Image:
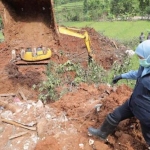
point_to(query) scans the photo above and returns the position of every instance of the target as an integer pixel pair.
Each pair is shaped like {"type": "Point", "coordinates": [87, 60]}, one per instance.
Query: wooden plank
{"type": "Point", "coordinates": [18, 124]}
{"type": "Point", "coordinates": [115, 45]}
{"type": "Point", "coordinates": [6, 95]}
{"type": "Point", "coordinates": [22, 95]}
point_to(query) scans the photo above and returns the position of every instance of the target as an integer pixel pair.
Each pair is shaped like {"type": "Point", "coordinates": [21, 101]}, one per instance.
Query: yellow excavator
{"type": "Point", "coordinates": [43, 53]}
{"type": "Point", "coordinates": [22, 11]}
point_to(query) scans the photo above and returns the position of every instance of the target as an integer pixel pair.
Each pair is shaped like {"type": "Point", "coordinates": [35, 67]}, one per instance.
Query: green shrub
{"type": "Point", "coordinates": [71, 74]}
{"type": "Point", "coordinates": [48, 87]}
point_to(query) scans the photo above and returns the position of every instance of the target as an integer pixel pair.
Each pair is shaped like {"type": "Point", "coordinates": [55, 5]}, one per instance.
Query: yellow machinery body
{"type": "Point", "coordinates": [39, 54]}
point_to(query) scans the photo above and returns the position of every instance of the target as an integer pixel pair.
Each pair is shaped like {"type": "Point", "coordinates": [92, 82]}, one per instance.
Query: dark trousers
{"type": "Point", "coordinates": [124, 112]}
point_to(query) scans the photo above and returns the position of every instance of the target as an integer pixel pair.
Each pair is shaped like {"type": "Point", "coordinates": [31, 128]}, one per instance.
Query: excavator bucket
{"type": "Point", "coordinates": [27, 21]}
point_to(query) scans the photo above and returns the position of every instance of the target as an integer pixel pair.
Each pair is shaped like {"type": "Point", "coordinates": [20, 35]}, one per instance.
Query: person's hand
{"type": "Point", "coordinates": [116, 79]}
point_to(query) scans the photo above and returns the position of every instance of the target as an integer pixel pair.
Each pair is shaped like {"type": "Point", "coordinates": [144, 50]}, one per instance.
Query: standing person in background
{"type": "Point", "coordinates": [141, 37]}
{"type": "Point", "coordinates": [138, 105]}
{"type": "Point", "coordinates": [148, 36]}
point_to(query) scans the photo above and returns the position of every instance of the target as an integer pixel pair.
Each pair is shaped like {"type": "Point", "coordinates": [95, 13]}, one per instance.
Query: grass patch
{"type": "Point", "coordinates": [1, 36]}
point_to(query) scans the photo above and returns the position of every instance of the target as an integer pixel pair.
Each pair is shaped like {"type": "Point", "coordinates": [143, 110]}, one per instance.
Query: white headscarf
{"type": "Point", "coordinates": [143, 50]}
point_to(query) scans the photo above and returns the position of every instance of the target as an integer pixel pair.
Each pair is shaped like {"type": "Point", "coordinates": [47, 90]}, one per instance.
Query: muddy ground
{"type": "Point", "coordinates": [60, 125]}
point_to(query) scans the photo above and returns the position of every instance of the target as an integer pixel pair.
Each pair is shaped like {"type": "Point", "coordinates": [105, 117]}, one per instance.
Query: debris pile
{"type": "Point", "coordinates": [64, 124]}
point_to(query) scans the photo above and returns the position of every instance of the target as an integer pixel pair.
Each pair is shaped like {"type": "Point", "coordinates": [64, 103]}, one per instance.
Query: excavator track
{"type": "Point", "coordinates": [24, 63]}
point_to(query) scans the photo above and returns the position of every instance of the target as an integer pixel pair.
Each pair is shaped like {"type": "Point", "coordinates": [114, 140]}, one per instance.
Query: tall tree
{"type": "Point", "coordinates": [143, 4]}
{"type": "Point", "coordinates": [85, 6]}
{"type": "Point", "coordinates": [120, 7]}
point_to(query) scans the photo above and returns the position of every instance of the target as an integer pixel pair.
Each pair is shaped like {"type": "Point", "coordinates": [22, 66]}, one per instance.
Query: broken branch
{"type": "Point", "coordinates": [18, 124]}
{"type": "Point", "coordinates": [22, 95]}
{"type": "Point", "coordinates": [17, 135]}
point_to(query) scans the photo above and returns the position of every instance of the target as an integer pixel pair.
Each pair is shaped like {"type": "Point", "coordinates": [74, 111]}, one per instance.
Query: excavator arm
{"type": "Point", "coordinates": [74, 32]}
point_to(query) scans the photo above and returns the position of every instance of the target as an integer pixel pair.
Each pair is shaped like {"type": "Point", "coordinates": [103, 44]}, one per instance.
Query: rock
{"type": "Point", "coordinates": [1, 129]}
{"type": "Point", "coordinates": [41, 127]}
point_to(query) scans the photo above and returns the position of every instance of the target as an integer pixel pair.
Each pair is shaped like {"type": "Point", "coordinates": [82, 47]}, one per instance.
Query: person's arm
{"type": "Point", "coordinates": [130, 75]}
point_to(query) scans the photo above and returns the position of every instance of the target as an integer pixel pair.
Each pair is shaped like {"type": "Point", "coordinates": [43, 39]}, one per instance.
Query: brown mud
{"type": "Point", "coordinates": [62, 125]}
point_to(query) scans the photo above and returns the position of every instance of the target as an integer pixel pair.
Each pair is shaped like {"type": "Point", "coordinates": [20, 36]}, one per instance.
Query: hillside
{"type": "Point", "coordinates": [59, 125]}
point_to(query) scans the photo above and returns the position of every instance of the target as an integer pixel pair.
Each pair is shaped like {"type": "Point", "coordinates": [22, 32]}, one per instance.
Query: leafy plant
{"type": "Point", "coordinates": [92, 74]}
{"type": "Point", "coordinates": [47, 88]}
{"type": "Point", "coordinates": [74, 68]}
{"type": "Point", "coordinates": [95, 73]}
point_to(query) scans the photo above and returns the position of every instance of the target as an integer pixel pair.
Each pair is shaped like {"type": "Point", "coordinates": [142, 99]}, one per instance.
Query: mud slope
{"type": "Point", "coordinates": [61, 125]}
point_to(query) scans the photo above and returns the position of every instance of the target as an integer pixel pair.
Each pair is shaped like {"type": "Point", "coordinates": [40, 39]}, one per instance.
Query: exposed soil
{"type": "Point", "coordinates": [61, 125]}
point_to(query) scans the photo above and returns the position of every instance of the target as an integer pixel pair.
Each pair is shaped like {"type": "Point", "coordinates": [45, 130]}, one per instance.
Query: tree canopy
{"type": "Point", "coordinates": [97, 9]}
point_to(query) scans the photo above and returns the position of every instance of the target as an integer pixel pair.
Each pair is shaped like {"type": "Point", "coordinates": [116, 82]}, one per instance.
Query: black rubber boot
{"type": "Point", "coordinates": [106, 128]}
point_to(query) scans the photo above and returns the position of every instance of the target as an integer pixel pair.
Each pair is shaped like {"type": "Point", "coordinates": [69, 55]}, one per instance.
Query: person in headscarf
{"type": "Point", "coordinates": [138, 105]}
{"type": "Point", "coordinates": [148, 36]}
{"type": "Point", "coordinates": [141, 37]}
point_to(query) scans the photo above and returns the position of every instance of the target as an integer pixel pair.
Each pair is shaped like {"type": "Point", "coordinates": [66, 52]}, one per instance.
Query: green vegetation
{"type": "Point", "coordinates": [126, 32]}
{"type": "Point", "coordinates": [94, 10]}
{"type": "Point", "coordinates": [62, 2]}
{"type": "Point", "coordinates": [72, 74]}
{"type": "Point", "coordinates": [47, 88]}
{"type": "Point", "coordinates": [68, 74]}
{"type": "Point", "coordinates": [1, 37]}
{"type": "Point", "coordinates": [68, 6]}
{"type": "Point", "coordinates": [1, 34]}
